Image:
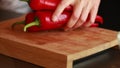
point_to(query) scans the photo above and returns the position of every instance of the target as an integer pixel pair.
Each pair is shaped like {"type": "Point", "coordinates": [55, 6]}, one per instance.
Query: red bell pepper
{"type": "Point", "coordinates": [45, 4]}
{"type": "Point", "coordinates": [98, 21]}
{"type": "Point", "coordinates": [40, 21]}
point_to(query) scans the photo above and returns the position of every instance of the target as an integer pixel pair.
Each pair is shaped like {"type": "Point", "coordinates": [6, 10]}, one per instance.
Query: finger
{"type": "Point", "coordinates": [62, 5]}
{"type": "Point", "coordinates": [93, 14]}
{"type": "Point", "coordinates": [78, 24]}
{"type": "Point", "coordinates": [75, 16]}
{"type": "Point", "coordinates": [85, 13]}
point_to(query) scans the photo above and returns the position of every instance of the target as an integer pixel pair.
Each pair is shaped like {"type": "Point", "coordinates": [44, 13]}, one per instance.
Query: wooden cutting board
{"type": "Point", "coordinates": [55, 48]}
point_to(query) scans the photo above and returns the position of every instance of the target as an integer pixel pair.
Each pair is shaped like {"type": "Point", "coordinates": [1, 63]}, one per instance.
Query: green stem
{"type": "Point", "coordinates": [14, 24]}
{"type": "Point", "coordinates": [34, 23]}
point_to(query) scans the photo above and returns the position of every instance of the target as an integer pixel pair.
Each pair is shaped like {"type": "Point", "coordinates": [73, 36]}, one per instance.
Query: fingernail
{"type": "Point", "coordinates": [54, 19]}
{"type": "Point", "coordinates": [66, 28]}
{"type": "Point", "coordinates": [89, 24]}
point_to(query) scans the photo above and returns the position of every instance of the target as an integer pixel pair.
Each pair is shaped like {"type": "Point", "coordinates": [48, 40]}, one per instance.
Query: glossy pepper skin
{"type": "Point", "coordinates": [98, 21]}
{"type": "Point", "coordinates": [45, 5]}
{"type": "Point", "coordinates": [40, 21]}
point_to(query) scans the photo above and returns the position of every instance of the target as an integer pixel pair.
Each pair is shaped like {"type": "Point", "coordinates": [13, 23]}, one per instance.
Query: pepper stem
{"type": "Point", "coordinates": [14, 24]}
{"type": "Point", "coordinates": [34, 23]}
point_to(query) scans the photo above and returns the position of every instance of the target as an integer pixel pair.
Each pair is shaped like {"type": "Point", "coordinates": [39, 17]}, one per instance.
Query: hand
{"type": "Point", "coordinates": [82, 9]}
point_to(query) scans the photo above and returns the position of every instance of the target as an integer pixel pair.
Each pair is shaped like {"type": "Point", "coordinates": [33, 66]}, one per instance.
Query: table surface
{"type": "Point", "coordinates": [110, 57]}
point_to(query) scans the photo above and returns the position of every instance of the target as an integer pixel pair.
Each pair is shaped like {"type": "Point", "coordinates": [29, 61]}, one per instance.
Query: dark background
{"type": "Point", "coordinates": [110, 11]}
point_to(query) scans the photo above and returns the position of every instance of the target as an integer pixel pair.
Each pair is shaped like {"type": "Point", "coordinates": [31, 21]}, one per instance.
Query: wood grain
{"type": "Point", "coordinates": [54, 48]}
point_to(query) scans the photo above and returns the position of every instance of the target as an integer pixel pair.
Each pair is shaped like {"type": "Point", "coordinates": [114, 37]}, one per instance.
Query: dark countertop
{"type": "Point", "coordinates": [106, 59]}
